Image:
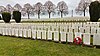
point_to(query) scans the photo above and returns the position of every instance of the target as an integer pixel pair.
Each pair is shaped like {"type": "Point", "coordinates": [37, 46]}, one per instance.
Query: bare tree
{"type": "Point", "coordinates": [38, 8]}
{"type": "Point", "coordinates": [43, 11]}
{"type": "Point", "coordinates": [62, 7]}
{"type": "Point", "coordinates": [28, 9]}
{"type": "Point", "coordinates": [50, 7]}
{"type": "Point", "coordinates": [78, 11]}
{"type": "Point", "coordinates": [23, 12]}
{"type": "Point", "coordinates": [17, 7]}
{"type": "Point", "coordinates": [82, 6]}
{"type": "Point", "coordinates": [9, 8]}
{"type": "Point", "coordinates": [2, 9]}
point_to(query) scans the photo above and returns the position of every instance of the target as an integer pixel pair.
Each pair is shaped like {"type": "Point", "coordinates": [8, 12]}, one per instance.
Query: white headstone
{"type": "Point", "coordinates": [44, 35]}
{"type": "Point", "coordinates": [98, 30]}
{"type": "Point", "coordinates": [34, 34]}
{"type": "Point", "coordinates": [20, 32]}
{"type": "Point", "coordinates": [52, 28]}
{"type": "Point", "coordinates": [80, 24]}
{"type": "Point", "coordinates": [90, 24]}
{"type": "Point", "coordinates": [86, 38]}
{"type": "Point", "coordinates": [48, 27]}
{"type": "Point", "coordinates": [94, 24]}
{"type": "Point", "coordinates": [9, 31]}
{"type": "Point", "coordinates": [70, 37]}
{"type": "Point", "coordinates": [56, 36]}
{"type": "Point", "coordinates": [16, 32]}
{"type": "Point", "coordinates": [63, 29]}
{"type": "Point", "coordinates": [96, 39]}
{"type": "Point", "coordinates": [75, 29]}
{"type": "Point", "coordinates": [78, 34]}
{"type": "Point", "coordinates": [66, 29]}
{"type": "Point", "coordinates": [84, 24]}
{"type": "Point", "coordinates": [12, 31]}
{"type": "Point", "coordinates": [6, 30]}
{"type": "Point", "coordinates": [93, 30]}
{"type": "Point", "coordinates": [3, 30]}
{"type": "Point", "coordinates": [24, 32]}
{"type": "Point", "coordinates": [49, 35]}
{"type": "Point", "coordinates": [34, 27]}
{"type": "Point", "coordinates": [70, 29]}
{"type": "Point", "coordinates": [38, 34]}
{"type": "Point", "coordinates": [63, 36]}
{"type": "Point", "coordinates": [87, 29]}
{"type": "Point", "coordinates": [97, 24]}
{"type": "Point", "coordinates": [81, 29]}
{"type": "Point", "coordinates": [29, 32]}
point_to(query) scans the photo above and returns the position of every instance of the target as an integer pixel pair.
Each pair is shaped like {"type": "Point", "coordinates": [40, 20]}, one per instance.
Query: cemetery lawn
{"type": "Point", "coordinates": [12, 46]}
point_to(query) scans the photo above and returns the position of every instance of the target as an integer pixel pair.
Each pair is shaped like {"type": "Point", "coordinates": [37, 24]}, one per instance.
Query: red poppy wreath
{"type": "Point", "coordinates": [77, 40]}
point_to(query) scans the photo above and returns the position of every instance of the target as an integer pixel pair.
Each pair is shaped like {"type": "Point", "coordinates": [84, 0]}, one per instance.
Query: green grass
{"type": "Point", "coordinates": [12, 46]}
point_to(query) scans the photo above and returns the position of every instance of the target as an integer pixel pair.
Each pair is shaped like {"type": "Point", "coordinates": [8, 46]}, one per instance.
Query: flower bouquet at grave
{"type": "Point", "coordinates": [78, 40]}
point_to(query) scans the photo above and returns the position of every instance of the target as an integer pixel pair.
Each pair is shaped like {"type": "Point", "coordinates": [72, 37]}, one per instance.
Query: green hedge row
{"type": "Point", "coordinates": [6, 16]}
{"type": "Point", "coordinates": [94, 10]}
{"type": "Point", "coordinates": [17, 16]}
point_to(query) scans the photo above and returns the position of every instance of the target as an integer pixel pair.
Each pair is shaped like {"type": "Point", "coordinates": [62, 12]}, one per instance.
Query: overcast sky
{"type": "Point", "coordinates": [72, 4]}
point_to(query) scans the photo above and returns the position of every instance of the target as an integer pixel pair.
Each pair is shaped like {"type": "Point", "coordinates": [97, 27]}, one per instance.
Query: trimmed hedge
{"type": "Point", "coordinates": [94, 9]}
{"type": "Point", "coordinates": [17, 16]}
{"type": "Point", "coordinates": [6, 16]}
{"type": "Point", "coordinates": [0, 18]}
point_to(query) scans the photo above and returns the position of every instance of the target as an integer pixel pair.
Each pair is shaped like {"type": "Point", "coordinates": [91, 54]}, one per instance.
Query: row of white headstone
{"type": "Point", "coordinates": [51, 32]}
{"type": "Point", "coordinates": [60, 19]}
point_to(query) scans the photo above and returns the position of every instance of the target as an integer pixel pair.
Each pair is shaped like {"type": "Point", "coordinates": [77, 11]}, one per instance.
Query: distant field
{"type": "Point", "coordinates": [12, 46]}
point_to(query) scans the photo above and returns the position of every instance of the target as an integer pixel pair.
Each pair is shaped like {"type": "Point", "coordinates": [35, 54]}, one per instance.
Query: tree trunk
{"type": "Point", "coordinates": [38, 15]}
{"type": "Point", "coordinates": [72, 13]}
{"type": "Point", "coordinates": [61, 14]}
{"type": "Point", "coordinates": [49, 14]}
{"type": "Point", "coordinates": [84, 12]}
{"type": "Point", "coordinates": [28, 15]}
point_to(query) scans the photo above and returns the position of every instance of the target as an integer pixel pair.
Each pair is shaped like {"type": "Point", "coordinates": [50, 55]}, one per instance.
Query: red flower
{"type": "Point", "coordinates": [77, 40]}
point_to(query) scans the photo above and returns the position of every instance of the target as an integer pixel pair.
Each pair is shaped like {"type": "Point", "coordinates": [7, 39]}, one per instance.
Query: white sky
{"type": "Point", "coordinates": [72, 4]}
